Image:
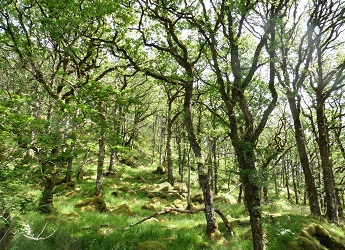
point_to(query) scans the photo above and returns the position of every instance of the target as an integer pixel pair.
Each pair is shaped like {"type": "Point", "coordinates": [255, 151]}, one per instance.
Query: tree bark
{"type": "Point", "coordinates": [112, 161]}
{"type": "Point", "coordinates": [68, 177]}
{"type": "Point", "coordinates": [294, 182]}
{"type": "Point", "coordinates": [49, 167]}
{"type": "Point", "coordinates": [211, 226]}
{"type": "Point", "coordinates": [313, 200]}
{"type": "Point", "coordinates": [46, 203]}
{"type": "Point", "coordinates": [249, 177]}
{"type": "Point", "coordinates": [100, 163]}
{"type": "Point", "coordinates": [286, 178]}
{"type": "Point", "coordinates": [169, 149]}
{"type": "Point", "coordinates": [327, 168]}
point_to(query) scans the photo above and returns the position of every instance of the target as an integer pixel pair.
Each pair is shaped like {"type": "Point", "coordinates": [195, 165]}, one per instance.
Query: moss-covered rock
{"type": "Point", "coordinates": [151, 245]}
{"type": "Point", "coordinates": [165, 188]}
{"type": "Point", "coordinates": [124, 189]}
{"type": "Point", "coordinates": [180, 187]}
{"type": "Point", "coordinates": [198, 198]}
{"type": "Point", "coordinates": [72, 216]}
{"type": "Point", "coordinates": [99, 204]}
{"type": "Point", "coordinates": [316, 237]}
{"type": "Point", "coordinates": [92, 204]}
{"type": "Point", "coordinates": [178, 204]}
{"type": "Point", "coordinates": [225, 199]}
{"type": "Point", "coordinates": [122, 209]}
{"type": "Point", "coordinates": [131, 192]}
{"type": "Point", "coordinates": [160, 170]}
{"type": "Point", "coordinates": [149, 207]}
{"type": "Point", "coordinates": [303, 243]}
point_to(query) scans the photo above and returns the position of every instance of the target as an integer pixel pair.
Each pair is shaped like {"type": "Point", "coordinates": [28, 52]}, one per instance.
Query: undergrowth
{"type": "Point", "coordinates": [74, 228]}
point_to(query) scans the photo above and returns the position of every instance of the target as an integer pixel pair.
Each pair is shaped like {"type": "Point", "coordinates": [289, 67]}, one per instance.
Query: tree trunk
{"type": "Point", "coordinates": [294, 182]}
{"type": "Point", "coordinates": [313, 200]}
{"type": "Point", "coordinates": [249, 178]}
{"type": "Point", "coordinates": [161, 151]}
{"type": "Point", "coordinates": [49, 169]}
{"type": "Point", "coordinates": [169, 149]}
{"type": "Point", "coordinates": [327, 169]}
{"type": "Point", "coordinates": [68, 177]}
{"type": "Point", "coordinates": [211, 165]}
{"type": "Point", "coordinates": [101, 156]}
{"type": "Point", "coordinates": [339, 202]}
{"type": "Point", "coordinates": [189, 204]}
{"type": "Point", "coordinates": [212, 226]}
{"type": "Point", "coordinates": [286, 179]}
{"type": "Point", "coordinates": [48, 192]}
{"type": "Point", "coordinates": [239, 199]}
{"type": "Point", "coordinates": [6, 232]}
{"type": "Point", "coordinates": [112, 161]}
{"type": "Point", "coordinates": [46, 203]}
{"type": "Point", "coordinates": [215, 165]}
{"type": "Point", "coordinates": [154, 128]}
{"type": "Point", "coordinates": [181, 157]}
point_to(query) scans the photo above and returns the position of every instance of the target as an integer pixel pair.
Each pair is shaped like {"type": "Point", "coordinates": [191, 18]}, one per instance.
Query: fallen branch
{"type": "Point", "coordinates": [166, 211]}
{"type": "Point", "coordinates": [233, 188]}
{"type": "Point", "coordinates": [38, 237]}
{"type": "Point", "coordinates": [225, 220]}
{"type": "Point", "coordinates": [194, 211]}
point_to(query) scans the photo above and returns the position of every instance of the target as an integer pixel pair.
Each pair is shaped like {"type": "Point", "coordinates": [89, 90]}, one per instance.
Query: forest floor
{"type": "Point", "coordinates": [133, 193]}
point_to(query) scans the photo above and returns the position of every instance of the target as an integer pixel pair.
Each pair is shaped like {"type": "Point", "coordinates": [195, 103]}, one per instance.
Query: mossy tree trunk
{"type": "Point", "coordinates": [211, 224]}
{"type": "Point", "coordinates": [250, 179]}
{"type": "Point", "coordinates": [325, 154]}
{"type": "Point", "coordinates": [49, 168]}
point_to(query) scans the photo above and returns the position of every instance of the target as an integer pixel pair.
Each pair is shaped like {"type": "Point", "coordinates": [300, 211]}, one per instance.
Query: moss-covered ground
{"type": "Point", "coordinates": [126, 196]}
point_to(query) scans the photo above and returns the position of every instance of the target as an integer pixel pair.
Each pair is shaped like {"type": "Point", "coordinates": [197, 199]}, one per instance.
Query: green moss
{"type": "Point", "coordinates": [301, 243]}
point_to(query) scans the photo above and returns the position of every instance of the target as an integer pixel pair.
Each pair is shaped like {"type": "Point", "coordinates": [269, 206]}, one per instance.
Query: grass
{"type": "Point", "coordinates": [73, 228]}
